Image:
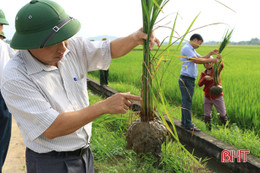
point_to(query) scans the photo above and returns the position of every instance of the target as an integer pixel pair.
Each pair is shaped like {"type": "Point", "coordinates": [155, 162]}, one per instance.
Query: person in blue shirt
{"type": "Point", "coordinates": [189, 71]}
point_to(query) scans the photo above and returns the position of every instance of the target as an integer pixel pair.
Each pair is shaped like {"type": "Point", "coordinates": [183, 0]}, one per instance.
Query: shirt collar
{"type": "Point", "coordinates": [188, 44]}
{"type": "Point", "coordinates": [35, 66]}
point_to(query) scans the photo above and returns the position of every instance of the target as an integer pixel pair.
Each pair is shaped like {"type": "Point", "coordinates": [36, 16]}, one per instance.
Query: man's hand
{"type": "Point", "coordinates": [214, 52]}
{"type": "Point", "coordinates": [219, 56]}
{"type": "Point", "coordinates": [121, 46]}
{"type": "Point", "coordinates": [215, 60]}
{"type": "Point", "coordinates": [140, 36]}
{"type": "Point", "coordinates": [119, 103]}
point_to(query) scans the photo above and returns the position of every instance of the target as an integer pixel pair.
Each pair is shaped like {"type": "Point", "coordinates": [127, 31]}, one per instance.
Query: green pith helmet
{"type": "Point", "coordinates": [2, 18]}
{"type": "Point", "coordinates": [2, 35]}
{"type": "Point", "coordinates": [42, 23]}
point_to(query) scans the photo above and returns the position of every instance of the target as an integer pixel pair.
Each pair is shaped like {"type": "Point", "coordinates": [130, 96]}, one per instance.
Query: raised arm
{"type": "Point", "coordinates": [206, 58]}
{"type": "Point", "coordinates": [213, 52]}
{"type": "Point", "coordinates": [201, 60]}
{"type": "Point", "coordinates": [121, 46]}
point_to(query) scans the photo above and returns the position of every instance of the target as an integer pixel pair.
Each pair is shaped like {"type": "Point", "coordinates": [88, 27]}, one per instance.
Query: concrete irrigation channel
{"type": "Point", "coordinates": [200, 143]}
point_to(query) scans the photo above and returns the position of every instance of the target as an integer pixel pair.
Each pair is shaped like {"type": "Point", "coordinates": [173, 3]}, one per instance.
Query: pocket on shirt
{"type": "Point", "coordinates": [80, 92]}
{"type": "Point", "coordinates": [81, 84]}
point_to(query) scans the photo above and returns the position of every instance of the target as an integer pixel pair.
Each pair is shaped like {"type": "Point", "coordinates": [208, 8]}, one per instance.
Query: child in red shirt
{"type": "Point", "coordinates": [207, 79]}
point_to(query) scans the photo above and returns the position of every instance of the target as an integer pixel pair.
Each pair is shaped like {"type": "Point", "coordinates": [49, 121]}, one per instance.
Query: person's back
{"type": "Point", "coordinates": [4, 57]}
{"type": "Point", "coordinates": [5, 54]}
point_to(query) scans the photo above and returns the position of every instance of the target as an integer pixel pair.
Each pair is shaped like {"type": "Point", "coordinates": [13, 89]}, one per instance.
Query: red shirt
{"type": "Point", "coordinates": [209, 83]}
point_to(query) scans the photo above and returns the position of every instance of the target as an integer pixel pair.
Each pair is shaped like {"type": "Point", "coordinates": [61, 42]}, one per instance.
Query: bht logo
{"type": "Point", "coordinates": [230, 156]}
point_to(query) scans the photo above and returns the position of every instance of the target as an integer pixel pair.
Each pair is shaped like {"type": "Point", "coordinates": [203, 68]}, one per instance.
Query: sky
{"type": "Point", "coordinates": [122, 17]}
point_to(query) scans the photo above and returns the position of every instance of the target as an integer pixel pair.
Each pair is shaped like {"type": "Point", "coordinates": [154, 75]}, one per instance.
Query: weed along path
{"type": "Point", "coordinates": [203, 144]}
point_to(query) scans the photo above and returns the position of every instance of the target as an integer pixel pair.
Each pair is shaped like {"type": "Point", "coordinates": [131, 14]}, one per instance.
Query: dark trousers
{"type": "Point", "coordinates": [104, 77]}
{"type": "Point", "coordinates": [59, 162]}
{"type": "Point", "coordinates": [5, 130]}
{"type": "Point", "coordinates": [186, 85]}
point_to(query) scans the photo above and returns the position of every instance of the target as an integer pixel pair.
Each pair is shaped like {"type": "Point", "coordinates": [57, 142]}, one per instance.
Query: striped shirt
{"type": "Point", "coordinates": [36, 93]}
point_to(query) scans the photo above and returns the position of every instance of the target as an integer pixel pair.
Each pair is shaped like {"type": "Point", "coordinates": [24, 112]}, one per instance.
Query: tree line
{"type": "Point", "coordinates": [253, 41]}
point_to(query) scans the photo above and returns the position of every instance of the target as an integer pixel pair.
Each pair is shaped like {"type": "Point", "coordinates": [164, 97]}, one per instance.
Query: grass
{"type": "Point", "coordinates": [108, 143]}
{"type": "Point", "coordinates": [240, 87]}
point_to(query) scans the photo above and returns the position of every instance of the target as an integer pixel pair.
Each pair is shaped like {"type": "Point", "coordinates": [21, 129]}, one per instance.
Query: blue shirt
{"type": "Point", "coordinates": [189, 68]}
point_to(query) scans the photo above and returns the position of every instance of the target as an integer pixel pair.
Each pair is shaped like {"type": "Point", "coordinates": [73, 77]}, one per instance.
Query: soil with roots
{"type": "Point", "coordinates": [145, 137]}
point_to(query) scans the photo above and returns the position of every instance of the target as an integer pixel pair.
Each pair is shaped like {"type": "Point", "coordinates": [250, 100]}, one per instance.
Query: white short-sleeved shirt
{"type": "Point", "coordinates": [36, 93]}
{"type": "Point", "coordinates": [6, 52]}
{"type": "Point", "coordinates": [189, 68]}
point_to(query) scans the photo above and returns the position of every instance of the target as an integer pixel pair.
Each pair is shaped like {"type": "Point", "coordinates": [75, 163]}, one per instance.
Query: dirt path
{"type": "Point", "coordinates": [15, 160]}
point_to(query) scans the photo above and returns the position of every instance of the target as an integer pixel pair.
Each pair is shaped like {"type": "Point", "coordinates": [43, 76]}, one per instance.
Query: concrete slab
{"type": "Point", "coordinates": [213, 147]}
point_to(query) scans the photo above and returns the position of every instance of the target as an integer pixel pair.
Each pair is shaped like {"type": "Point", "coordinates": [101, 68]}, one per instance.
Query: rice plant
{"type": "Point", "coordinates": [150, 10]}
{"type": "Point", "coordinates": [217, 89]}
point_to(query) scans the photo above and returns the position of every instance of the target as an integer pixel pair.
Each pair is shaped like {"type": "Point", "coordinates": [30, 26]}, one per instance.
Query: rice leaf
{"type": "Point", "coordinates": [225, 41]}
{"type": "Point", "coordinates": [222, 46]}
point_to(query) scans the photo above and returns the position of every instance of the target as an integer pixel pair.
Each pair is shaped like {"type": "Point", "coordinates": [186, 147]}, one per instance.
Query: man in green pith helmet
{"type": "Point", "coordinates": [45, 86]}
{"type": "Point", "coordinates": [5, 117]}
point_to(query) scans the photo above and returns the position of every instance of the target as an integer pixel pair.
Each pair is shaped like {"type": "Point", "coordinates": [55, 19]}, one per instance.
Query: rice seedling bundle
{"type": "Point", "coordinates": [217, 89]}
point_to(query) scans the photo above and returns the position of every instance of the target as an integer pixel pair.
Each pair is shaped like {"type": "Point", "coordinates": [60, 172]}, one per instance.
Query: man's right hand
{"type": "Point", "coordinates": [119, 103]}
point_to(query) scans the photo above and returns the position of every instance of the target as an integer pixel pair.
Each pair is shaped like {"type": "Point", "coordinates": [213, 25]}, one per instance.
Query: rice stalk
{"type": "Point", "coordinates": [150, 10]}
{"type": "Point", "coordinates": [222, 46]}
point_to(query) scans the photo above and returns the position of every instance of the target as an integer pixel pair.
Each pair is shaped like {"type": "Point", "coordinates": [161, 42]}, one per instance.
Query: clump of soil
{"type": "Point", "coordinates": [145, 137]}
{"type": "Point", "coordinates": [216, 90]}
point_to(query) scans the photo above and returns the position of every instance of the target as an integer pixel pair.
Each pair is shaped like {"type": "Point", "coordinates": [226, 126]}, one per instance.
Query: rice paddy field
{"type": "Point", "coordinates": [239, 78]}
